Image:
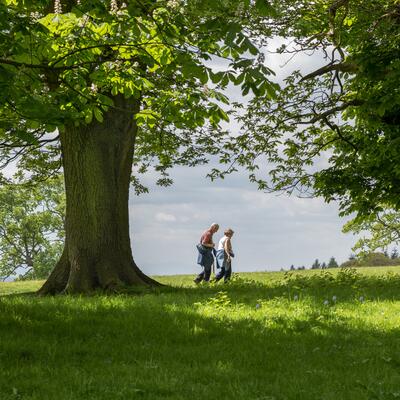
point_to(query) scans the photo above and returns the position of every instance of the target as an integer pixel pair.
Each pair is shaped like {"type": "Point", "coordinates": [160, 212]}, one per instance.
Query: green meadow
{"type": "Point", "coordinates": [330, 334]}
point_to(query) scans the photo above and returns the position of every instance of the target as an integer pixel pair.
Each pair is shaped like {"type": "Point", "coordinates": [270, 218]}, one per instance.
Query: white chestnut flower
{"type": "Point", "coordinates": [174, 4]}
{"type": "Point", "coordinates": [113, 7]}
{"type": "Point", "coordinates": [93, 88]}
{"type": "Point", "coordinates": [84, 21]}
{"type": "Point", "coordinates": [57, 7]}
{"type": "Point", "coordinates": [35, 15]}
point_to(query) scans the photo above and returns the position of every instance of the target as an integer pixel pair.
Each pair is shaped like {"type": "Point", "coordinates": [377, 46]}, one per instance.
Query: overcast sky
{"type": "Point", "coordinates": [271, 232]}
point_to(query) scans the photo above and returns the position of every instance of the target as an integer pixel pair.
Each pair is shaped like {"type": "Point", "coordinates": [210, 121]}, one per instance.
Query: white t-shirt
{"type": "Point", "coordinates": [221, 243]}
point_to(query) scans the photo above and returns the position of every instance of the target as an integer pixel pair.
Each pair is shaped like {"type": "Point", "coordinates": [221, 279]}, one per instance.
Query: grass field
{"type": "Point", "coordinates": [304, 335]}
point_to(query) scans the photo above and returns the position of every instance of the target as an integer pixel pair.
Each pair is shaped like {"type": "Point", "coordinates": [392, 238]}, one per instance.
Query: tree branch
{"type": "Point", "coordinates": [335, 128]}
{"type": "Point", "coordinates": [341, 67]}
{"type": "Point", "coordinates": [334, 110]}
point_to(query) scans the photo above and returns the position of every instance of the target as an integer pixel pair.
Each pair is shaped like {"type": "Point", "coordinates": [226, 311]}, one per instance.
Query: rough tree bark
{"type": "Point", "coordinates": [97, 161]}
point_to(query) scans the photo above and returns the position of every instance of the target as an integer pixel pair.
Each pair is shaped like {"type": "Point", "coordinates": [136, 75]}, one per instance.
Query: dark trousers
{"type": "Point", "coordinates": [204, 275]}
{"type": "Point", "coordinates": [225, 272]}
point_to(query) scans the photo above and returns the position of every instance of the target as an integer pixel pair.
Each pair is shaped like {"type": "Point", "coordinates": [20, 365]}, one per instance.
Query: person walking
{"type": "Point", "coordinates": [205, 257]}
{"type": "Point", "coordinates": [224, 256]}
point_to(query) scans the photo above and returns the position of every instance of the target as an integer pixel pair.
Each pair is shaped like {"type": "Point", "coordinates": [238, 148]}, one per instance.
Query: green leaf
{"type": "Point", "coordinates": [223, 115]}
{"type": "Point", "coordinates": [88, 116]}
{"type": "Point", "coordinates": [98, 114]}
{"type": "Point", "coordinates": [216, 77]}
{"type": "Point", "coordinates": [248, 46]}
{"type": "Point", "coordinates": [265, 8]}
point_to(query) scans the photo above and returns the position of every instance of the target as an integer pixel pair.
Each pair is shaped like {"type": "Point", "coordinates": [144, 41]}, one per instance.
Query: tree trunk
{"type": "Point", "coordinates": [97, 161]}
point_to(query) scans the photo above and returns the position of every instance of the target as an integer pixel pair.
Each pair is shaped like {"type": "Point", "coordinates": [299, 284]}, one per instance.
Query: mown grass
{"type": "Point", "coordinates": [264, 336]}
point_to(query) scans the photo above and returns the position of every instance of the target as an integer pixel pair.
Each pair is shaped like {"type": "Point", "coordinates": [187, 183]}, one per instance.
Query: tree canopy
{"type": "Point", "coordinates": [64, 61]}
{"type": "Point", "coordinates": [334, 131]}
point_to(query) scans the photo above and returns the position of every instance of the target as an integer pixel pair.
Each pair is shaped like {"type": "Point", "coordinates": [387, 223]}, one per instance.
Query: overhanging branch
{"type": "Point", "coordinates": [341, 67]}
{"type": "Point", "coordinates": [334, 110]}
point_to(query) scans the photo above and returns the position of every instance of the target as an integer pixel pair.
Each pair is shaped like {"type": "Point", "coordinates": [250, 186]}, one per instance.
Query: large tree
{"type": "Point", "coordinates": [333, 131]}
{"type": "Point", "coordinates": [101, 84]}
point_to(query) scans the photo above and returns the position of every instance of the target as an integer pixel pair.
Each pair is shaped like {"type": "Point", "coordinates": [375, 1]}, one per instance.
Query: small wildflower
{"type": "Point", "coordinates": [361, 299]}
{"type": "Point", "coordinates": [334, 298]}
{"type": "Point", "coordinates": [258, 306]}
{"type": "Point", "coordinates": [326, 302]}
{"type": "Point", "coordinates": [295, 297]}
{"type": "Point", "coordinates": [78, 2]}
{"type": "Point", "coordinates": [57, 7]}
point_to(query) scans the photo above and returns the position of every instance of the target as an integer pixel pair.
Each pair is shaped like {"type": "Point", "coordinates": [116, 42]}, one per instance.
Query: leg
{"type": "Point", "coordinates": [220, 274]}
{"type": "Point", "coordinates": [207, 273]}
{"type": "Point", "coordinates": [199, 277]}
{"type": "Point", "coordinates": [228, 271]}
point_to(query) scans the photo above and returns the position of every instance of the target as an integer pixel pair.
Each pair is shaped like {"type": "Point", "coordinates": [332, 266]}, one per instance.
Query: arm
{"type": "Point", "coordinates": [228, 248]}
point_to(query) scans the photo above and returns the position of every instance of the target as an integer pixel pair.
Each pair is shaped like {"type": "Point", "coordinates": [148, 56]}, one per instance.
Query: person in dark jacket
{"type": "Point", "coordinates": [205, 257]}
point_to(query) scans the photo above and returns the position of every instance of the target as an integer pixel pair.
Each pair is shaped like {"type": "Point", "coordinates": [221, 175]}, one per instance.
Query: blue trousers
{"type": "Point", "coordinates": [224, 272]}
{"type": "Point", "coordinates": [204, 275]}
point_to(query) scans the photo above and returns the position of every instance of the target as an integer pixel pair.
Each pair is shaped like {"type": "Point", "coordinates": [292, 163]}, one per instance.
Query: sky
{"type": "Point", "coordinates": [271, 231]}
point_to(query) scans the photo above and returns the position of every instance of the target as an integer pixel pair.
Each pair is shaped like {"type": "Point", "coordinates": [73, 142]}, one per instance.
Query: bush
{"type": "Point", "coordinates": [371, 260]}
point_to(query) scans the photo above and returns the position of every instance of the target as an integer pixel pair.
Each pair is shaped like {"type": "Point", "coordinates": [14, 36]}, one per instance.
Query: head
{"type": "Point", "coordinates": [229, 232]}
{"type": "Point", "coordinates": [214, 228]}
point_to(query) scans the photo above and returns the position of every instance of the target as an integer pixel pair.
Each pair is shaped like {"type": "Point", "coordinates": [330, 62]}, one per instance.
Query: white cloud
{"type": "Point", "coordinates": [163, 217]}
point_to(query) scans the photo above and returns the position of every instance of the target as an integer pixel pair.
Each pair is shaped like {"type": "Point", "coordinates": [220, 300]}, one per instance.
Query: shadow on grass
{"type": "Point", "coordinates": [164, 347]}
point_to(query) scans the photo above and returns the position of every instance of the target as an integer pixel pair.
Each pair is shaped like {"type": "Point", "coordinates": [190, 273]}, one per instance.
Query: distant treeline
{"type": "Point", "coordinates": [378, 259]}
{"type": "Point", "coordinates": [332, 263]}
